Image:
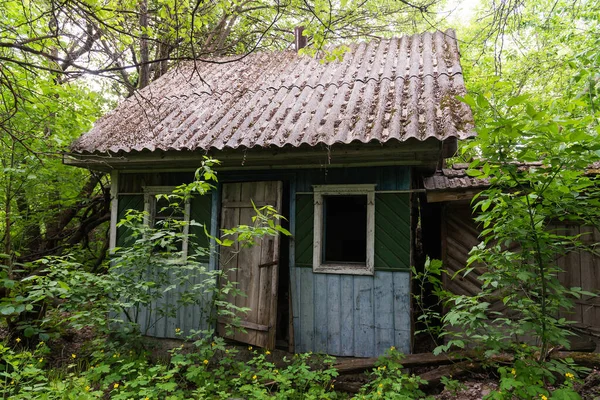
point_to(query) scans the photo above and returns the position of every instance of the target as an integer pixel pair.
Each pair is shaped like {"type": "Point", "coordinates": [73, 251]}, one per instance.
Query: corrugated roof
{"type": "Point", "coordinates": [453, 178]}
{"type": "Point", "coordinates": [399, 89]}
{"type": "Point", "coordinates": [456, 178]}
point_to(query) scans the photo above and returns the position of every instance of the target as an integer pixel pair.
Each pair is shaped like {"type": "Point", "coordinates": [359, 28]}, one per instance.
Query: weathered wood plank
{"type": "Point", "coordinates": [357, 365]}
{"type": "Point", "coordinates": [364, 340]}
{"type": "Point", "coordinates": [321, 290]}
{"type": "Point", "coordinates": [334, 314]}
{"type": "Point", "coordinates": [306, 312]}
{"type": "Point", "coordinates": [383, 291]}
{"type": "Point", "coordinates": [347, 315]}
{"type": "Point", "coordinates": [402, 312]}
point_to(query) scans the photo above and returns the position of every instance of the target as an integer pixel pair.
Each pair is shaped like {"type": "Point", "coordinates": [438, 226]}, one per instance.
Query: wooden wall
{"type": "Point", "coordinates": [343, 315]}
{"type": "Point", "coordinates": [349, 315]}
{"type": "Point", "coordinates": [581, 269]}
{"type": "Point", "coordinates": [191, 317]}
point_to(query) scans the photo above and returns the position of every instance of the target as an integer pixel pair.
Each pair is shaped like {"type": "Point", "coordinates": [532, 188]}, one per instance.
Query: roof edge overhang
{"type": "Point", "coordinates": [425, 154]}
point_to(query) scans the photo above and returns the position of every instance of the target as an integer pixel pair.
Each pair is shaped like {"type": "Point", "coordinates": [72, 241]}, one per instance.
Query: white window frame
{"type": "Point", "coordinates": [150, 193]}
{"type": "Point", "coordinates": [319, 266]}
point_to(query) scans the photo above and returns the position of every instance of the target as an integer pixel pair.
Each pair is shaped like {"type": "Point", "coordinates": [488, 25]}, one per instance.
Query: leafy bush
{"type": "Point", "coordinates": [390, 382]}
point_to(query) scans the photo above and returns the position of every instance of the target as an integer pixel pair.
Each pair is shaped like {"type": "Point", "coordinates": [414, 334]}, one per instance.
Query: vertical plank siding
{"type": "Point", "coordinates": [350, 315]}
{"type": "Point", "coordinates": [347, 315]}
{"type": "Point", "coordinates": [189, 317]}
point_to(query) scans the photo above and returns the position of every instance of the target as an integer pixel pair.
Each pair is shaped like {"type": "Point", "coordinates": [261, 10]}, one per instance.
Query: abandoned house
{"type": "Point", "coordinates": [336, 146]}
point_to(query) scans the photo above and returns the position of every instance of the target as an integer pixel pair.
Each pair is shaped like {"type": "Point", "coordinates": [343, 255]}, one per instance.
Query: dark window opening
{"type": "Point", "coordinates": [345, 226]}
{"type": "Point", "coordinates": [166, 210]}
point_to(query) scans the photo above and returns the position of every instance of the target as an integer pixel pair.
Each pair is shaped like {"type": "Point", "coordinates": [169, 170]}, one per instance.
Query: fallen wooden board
{"type": "Point", "coordinates": [589, 360]}
{"type": "Point", "coordinates": [355, 365]}
{"type": "Point", "coordinates": [434, 376]}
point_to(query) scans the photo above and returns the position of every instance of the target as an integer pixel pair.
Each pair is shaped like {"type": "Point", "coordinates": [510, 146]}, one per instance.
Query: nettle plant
{"type": "Point", "coordinates": [536, 159]}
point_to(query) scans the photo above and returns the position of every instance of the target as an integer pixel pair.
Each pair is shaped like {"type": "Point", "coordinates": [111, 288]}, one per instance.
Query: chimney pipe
{"type": "Point", "coordinates": [300, 41]}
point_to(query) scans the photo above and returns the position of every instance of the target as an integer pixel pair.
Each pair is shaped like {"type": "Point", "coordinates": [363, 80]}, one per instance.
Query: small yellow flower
{"type": "Point", "coordinates": [381, 385]}
{"type": "Point", "coordinates": [205, 362]}
{"type": "Point", "coordinates": [177, 330]}
{"type": "Point", "coordinates": [41, 359]}
{"type": "Point", "coordinates": [114, 356]}
{"type": "Point", "coordinates": [267, 352]}
{"type": "Point", "coordinates": [213, 344]}
{"type": "Point", "coordinates": [513, 371]}
{"type": "Point", "coordinates": [276, 371]}
{"type": "Point", "coordinates": [250, 348]}
{"type": "Point", "coordinates": [227, 351]}
{"type": "Point", "coordinates": [18, 340]}
{"type": "Point", "coordinates": [569, 375]}
{"type": "Point", "coordinates": [73, 355]}
{"type": "Point", "coordinates": [543, 397]}
{"type": "Point", "coordinates": [41, 343]}
{"type": "Point", "coordinates": [393, 348]}
{"type": "Point", "coordinates": [254, 377]}
{"type": "Point", "coordinates": [87, 388]}
{"type": "Point", "coordinates": [379, 393]}
{"type": "Point", "coordinates": [332, 386]}
{"type": "Point", "coordinates": [116, 385]}
{"type": "Point", "coordinates": [146, 398]}
{"type": "Point", "coordinates": [12, 382]}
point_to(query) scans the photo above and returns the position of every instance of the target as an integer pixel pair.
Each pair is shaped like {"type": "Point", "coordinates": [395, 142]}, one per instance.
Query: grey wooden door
{"type": "Point", "coordinates": [255, 268]}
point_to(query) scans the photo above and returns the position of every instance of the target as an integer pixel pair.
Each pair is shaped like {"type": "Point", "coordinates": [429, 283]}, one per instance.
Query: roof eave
{"type": "Point", "coordinates": [411, 153]}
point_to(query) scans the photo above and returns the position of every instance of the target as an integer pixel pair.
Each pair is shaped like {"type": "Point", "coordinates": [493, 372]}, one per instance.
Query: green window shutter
{"type": "Point", "coordinates": [127, 202]}
{"type": "Point", "coordinates": [392, 231]}
{"type": "Point", "coordinates": [303, 236]}
{"type": "Point", "coordinates": [200, 212]}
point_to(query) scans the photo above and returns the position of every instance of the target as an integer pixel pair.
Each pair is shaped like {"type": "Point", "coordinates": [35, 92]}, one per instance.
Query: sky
{"type": "Point", "coordinates": [461, 10]}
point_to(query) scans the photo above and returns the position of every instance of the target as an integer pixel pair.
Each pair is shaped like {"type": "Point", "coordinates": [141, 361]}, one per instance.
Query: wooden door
{"type": "Point", "coordinates": [254, 268]}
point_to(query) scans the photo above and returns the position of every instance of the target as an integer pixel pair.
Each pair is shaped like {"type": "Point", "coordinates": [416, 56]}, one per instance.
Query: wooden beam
{"type": "Point", "coordinates": [451, 195]}
{"type": "Point", "coordinates": [356, 365]}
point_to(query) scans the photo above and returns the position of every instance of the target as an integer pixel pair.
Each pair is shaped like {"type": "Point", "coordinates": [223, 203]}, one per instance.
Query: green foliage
{"type": "Point", "coordinates": [528, 378]}
{"type": "Point", "coordinates": [452, 386]}
{"type": "Point", "coordinates": [537, 123]}
{"type": "Point", "coordinates": [429, 283]}
{"type": "Point", "coordinates": [209, 370]}
{"type": "Point", "coordinates": [536, 161]}
{"type": "Point", "coordinates": [56, 293]}
{"type": "Point", "coordinates": [390, 382]}
{"type": "Point", "coordinates": [140, 275]}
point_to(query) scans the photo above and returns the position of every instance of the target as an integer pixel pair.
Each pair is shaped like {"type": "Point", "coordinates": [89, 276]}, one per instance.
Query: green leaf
{"type": "Point", "coordinates": [517, 100]}
{"type": "Point", "coordinates": [29, 331]}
